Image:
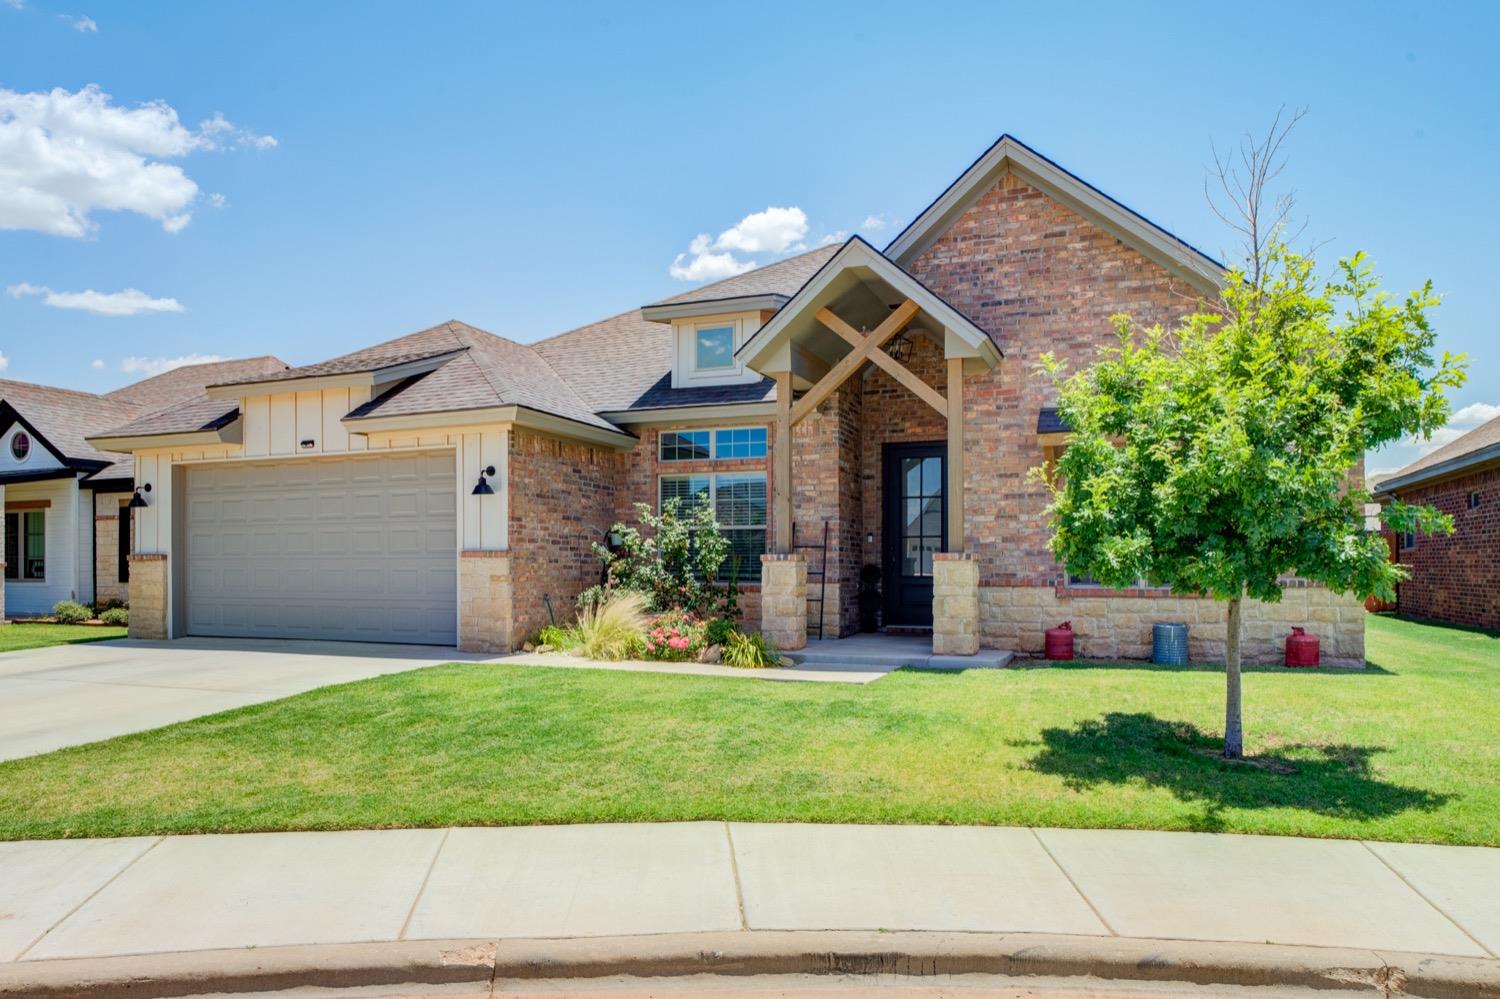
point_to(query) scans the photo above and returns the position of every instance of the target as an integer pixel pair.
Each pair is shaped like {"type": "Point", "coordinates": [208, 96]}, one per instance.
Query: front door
{"type": "Point", "coordinates": [916, 528]}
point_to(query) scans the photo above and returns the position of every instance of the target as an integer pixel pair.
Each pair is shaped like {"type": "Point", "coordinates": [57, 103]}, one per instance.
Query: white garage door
{"type": "Point", "coordinates": [354, 549]}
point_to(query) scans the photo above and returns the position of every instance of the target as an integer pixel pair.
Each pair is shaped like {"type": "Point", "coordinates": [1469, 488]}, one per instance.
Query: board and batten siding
{"type": "Point", "coordinates": [274, 427]}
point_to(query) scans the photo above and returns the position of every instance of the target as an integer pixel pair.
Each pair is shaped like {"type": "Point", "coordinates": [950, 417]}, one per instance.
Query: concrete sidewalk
{"type": "Point", "coordinates": [96, 898]}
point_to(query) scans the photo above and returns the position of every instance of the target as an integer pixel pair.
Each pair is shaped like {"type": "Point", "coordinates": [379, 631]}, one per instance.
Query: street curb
{"type": "Point", "coordinates": [756, 952]}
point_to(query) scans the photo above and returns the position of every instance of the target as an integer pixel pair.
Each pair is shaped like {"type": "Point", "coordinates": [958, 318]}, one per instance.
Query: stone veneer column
{"type": "Point", "coordinates": [783, 600]}
{"type": "Point", "coordinates": [485, 608]}
{"type": "Point", "coordinates": [148, 597]}
{"type": "Point", "coordinates": [955, 604]}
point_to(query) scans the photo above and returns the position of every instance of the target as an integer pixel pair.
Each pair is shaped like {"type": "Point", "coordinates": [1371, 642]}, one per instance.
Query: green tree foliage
{"type": "Point", "coordinates": [674, 563]}
{"type": "Point", "coordinates": [1220, 455]}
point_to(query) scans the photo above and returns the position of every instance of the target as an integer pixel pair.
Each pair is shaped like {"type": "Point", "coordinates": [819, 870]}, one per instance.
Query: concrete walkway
{"type": "Point", "coordinates": [67, 695]}
{"type": "Point", "coordinates": [97, 898]}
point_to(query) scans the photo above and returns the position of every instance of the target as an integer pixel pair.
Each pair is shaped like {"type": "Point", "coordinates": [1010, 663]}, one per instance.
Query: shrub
{"type": "Point", "coordinates": [719, 629]}
{"type": "Point", "coordinates": [68, 612]}
{"type": "Point", "coordinates": [555, 636]}
{"type": "Point", "coordinates": [675, 636]}
{"type": "Point", "coordinates": [752, 651]}
{"type": "Point", "coordinates": [612, 628]}
{"type": "Point", "coordinates": [117, 616]}
{"type": "Point", "coordinates": [676, 563]}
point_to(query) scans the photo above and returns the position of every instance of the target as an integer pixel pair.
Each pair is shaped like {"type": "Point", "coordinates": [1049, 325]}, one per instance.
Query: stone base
{"type": "Point", "coordinates": [1119, 626]}
{"type": "Point", "coordinates": [783, 600]}
{"type": "Point", "coordinates": [148, 597]}
{"type": "Point", "coordinates": [486, 620]}
{"type": "Point", "coordinates": [955, 604]}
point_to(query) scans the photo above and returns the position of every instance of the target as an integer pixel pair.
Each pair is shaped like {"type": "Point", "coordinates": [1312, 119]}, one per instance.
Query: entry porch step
{"type": "Point", "coordinates": [890, 652]}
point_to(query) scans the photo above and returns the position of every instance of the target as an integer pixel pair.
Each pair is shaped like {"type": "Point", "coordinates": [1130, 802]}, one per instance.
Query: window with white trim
{"type": "Point", "coordinates": [26, 544]}
{"type": "Point", "coordinates": [738, 500]}
{"type": "Point", "coordinates": [724, 444]}
{"type": "Point", "coordinates": [713, 347]}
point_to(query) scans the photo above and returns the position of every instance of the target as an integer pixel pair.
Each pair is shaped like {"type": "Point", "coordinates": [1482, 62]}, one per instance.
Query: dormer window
{"type": "Point", "coordinates": [715, 347]}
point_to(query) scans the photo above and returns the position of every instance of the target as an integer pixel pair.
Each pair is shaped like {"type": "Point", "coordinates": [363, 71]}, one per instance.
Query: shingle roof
{"type": "Point", "coordinates": [625, 362]}
{"type": "Point", "coordinates": [67, 417]}
{"type": "Point", "coordinates": [1486, 435]}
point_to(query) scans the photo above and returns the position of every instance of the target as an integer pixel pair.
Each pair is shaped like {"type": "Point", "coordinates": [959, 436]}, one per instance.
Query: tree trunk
{"type": "Point", "coordinates": [1234, 736]}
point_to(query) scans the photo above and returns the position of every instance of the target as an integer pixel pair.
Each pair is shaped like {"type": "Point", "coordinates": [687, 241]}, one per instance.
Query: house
{"type": "Point", "coordinates": [447, 486]}
{"type": "Point", "coordinates": [1454, 577]}
{"type": "Point", "coordinates": [65, 538]}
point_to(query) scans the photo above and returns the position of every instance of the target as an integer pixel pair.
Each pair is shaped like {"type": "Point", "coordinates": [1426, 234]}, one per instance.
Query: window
{"type": "Point", "coordinates": [20, 445]}
{"type": "Point", "coordinates": [26, 545]}
{"type": "Point", "coordinates": [729, 444]}
{"type": "Point", "coordinates": [684, 445]}
{"type": "Point", "coordinates": [714, 347]}
{"type": "Point", "coordinates": [739, 504]}
{"type": "Point", "coordinates": [740, 442]}
{"type": "Point", "coordinates": [1474, 501]}
{"type": "Point", "coordinates": [1408, 540]}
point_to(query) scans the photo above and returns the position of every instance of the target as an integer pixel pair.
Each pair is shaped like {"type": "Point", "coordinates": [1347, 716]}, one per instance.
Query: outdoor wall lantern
{"type": "Point", "coordinates": [482, 487]}
{"type": "Point", "coordinates": [138, 501]}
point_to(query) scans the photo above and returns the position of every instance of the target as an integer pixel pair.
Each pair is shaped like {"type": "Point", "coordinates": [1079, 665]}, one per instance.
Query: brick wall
{"type": "Point", "coordinates": [563, 498]}
{"type": "Point", "coordinates": [1456, 577]}
{"type": "Point", "coordinates": [108, 509]}
{"type": "Point", "coordinates": [1040, 278]}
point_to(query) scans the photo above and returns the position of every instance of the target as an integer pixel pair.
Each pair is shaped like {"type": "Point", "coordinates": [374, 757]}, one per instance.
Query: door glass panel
{"type": "Point", "coordinates": [929, 546]}
{"type": "Point", "coordinates": [911, 557]}
{"type": "Point", "coordinates": [913, 523]}
{"type": "Point", "coordinates": [932, 476]}
{"type": "Point", "coordinates": [932, 517]}
{"type": "Point", "coordinates": [911, 475]}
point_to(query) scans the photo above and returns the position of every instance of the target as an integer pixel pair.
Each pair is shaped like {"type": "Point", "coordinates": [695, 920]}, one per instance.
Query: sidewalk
{"type": "Point", "coordinates": [98, 898]}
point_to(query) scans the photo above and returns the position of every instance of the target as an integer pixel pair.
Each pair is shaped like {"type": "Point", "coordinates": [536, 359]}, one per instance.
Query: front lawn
{"type": "Point", "coordinates": [15, 636]}
{"type": "Point", "coordinates": [1406, 750]}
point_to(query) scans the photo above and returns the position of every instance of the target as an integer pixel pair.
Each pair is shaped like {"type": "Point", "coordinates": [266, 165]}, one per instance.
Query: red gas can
{"type": "Point", "coordinates": [1059, 642]}
{"type": "Point", "coordinates": [1301, 648]}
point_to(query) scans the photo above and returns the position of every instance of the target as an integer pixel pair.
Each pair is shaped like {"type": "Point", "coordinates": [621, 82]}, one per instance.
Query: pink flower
{"type": "Point", "coordinates": [680, 644]}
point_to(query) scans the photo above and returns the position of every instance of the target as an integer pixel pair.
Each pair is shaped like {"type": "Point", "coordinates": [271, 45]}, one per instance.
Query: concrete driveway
{"type": "Point", "coordinates": [71, 694]}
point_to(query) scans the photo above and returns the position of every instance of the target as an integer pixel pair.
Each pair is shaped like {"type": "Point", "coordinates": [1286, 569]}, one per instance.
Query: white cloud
{"type": "Point", "coordinates": [65, 155]}
{"type": "Point", "coordinates": [837, 236]}
{"type": "Point", "coordinates": [4, 362]}
{"type": "Point", "coordinates": [775, 230]}
{"type": "Point", "coordinates": [81, 23]}
{"type": "Point", "coordinates": [15, 4]}
{"type": "Point", "coordinates": [217, 200]}
{"type": "Point", "coordinates": [129, 302]}
{"type": "Point", "coordinates": [1474, 414]}
{"type": "Point", "coordinates": [97, 364]}
{"type": "Point", "coordinates": [873, 223]}
{"type": "Point", "coordinates": [156, 365]}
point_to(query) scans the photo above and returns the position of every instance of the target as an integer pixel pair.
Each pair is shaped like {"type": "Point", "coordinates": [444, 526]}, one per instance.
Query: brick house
{"type": "Point", "coordinates": [1455, 577]}
{"type": "Point", "coordinates": [446, 486]}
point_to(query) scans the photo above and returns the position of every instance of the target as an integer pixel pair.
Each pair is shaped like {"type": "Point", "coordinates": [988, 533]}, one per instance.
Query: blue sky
{"type": "Point", "coordinates": [376, 168]}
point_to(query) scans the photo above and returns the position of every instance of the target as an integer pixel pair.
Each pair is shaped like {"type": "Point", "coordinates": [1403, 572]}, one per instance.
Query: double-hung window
{"type": "Point", "coordinates": [738, 500]}
{"type": "Point", "coordinates": [26, 544]}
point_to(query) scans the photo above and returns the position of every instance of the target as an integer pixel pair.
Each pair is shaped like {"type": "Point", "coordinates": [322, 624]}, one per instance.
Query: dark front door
{"type": "Point", "coordinates": [916, 520]}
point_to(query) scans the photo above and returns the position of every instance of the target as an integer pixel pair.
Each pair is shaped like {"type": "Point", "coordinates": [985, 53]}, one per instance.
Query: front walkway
{"type": "Point", "coordinates": [95, 898]}
{"type": "Point", "coordinates": [66, 695]}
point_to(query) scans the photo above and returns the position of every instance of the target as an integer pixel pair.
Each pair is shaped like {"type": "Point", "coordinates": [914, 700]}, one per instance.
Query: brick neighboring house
{"type": "Point", "coordinates": [65, 499]}
{"type": "Point", "coordinates": [446, 486]}
{"type": "Point", "coordinates": [1455, 577]}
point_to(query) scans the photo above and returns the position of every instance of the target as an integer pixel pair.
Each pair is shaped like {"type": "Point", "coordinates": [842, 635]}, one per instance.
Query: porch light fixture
{"type": "Point", "coordinates": [137, 501]}
{"type": "Point", "coordinates": [900, 347]}
{"type": "Point", "coordinates": [483, 487]}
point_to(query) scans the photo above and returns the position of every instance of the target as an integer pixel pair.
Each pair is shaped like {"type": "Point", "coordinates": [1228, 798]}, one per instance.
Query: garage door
{"type": "Point", "coordinates": [355, 549]}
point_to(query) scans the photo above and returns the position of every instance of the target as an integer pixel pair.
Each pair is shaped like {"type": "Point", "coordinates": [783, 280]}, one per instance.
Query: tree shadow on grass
{"type": "Point", "coordinates": [1336, 781]}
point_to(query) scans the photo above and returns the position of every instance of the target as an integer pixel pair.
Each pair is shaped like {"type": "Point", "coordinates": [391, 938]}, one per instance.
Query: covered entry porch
{"type": "Point", "coordinates": [868, 450]}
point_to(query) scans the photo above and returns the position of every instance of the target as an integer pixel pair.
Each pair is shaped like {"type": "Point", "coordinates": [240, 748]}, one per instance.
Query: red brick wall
{"type": "Point", "coordinates": [1456, 577]}
{"type": "Point", "coordinates": [562, 499]}
{"type": "Point", "coordinates": [1040, 278]}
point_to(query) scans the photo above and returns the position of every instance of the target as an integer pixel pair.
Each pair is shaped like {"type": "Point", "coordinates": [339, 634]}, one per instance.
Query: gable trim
{"type": "Point", "coordinates": [10, 416]}
{"type": "Point", "coordinates": [1011, 154]}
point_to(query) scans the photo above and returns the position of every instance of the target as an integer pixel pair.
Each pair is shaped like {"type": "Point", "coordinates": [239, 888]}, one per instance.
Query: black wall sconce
{"type": "Point", "coordinates": [137, 501]}
{"type": "Point", "coordinates": [482, 487]}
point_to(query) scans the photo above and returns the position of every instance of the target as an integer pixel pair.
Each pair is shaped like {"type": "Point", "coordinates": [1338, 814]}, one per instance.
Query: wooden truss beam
{"type": "Point", "coordinates": [851, 362]}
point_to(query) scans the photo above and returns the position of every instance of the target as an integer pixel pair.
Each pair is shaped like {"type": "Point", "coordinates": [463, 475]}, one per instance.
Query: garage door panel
{"type": "Point", "coordinates": [359, 549]}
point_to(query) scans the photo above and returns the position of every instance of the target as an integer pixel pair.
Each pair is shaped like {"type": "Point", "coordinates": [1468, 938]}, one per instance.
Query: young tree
{"type": "Point", "coordinates": [1219, 455]}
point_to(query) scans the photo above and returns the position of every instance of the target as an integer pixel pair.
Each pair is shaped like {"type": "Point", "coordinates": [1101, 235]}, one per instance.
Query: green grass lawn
{"type": "Point", "coordinates": [14, 637]}
{"type": "Point", "coordinates": [1406, 750]}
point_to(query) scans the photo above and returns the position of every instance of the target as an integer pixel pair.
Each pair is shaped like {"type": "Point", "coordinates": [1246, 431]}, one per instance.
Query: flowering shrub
{"type": "Point", "coordinates": [674, 564]}
{"type": "Point", "coordinates": [676, 635]}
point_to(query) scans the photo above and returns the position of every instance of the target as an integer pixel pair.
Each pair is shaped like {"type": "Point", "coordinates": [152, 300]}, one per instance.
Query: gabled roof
{"type": "Point", "coordinates": [1011, 154]}
{"type": "Point", "coordinates": [620, 363]}
{"type": "Point", "coordinates": [859, 257]}
{"type": "Point", "coordinates": [172, 387]}
{"type": "Point", "coordinates": [1479, 447]}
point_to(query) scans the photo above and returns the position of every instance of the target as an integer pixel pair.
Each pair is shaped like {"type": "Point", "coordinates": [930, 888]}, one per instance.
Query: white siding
{"type": "Point", "coordinates": [39, 459]}
{"type": "Point", "coordinates": [27, 597]}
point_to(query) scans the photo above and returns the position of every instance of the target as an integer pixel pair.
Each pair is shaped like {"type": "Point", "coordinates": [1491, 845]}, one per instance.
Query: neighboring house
{"type": "Point", "coordinates": [447, 486]}
{"type": "Point", "coordinates": [65, 538]}
{"type": "Point", "coordinates": [1454, 577]}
